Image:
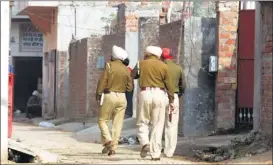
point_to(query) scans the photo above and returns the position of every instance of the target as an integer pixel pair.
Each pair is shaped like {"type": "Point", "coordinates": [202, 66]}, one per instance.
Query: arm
{"type": "Point", "coordinates": [135, 74]}
{"type": "Point", "coordinates": [182, 83]}
{"type": "Point", "coordinates": [168, 84]}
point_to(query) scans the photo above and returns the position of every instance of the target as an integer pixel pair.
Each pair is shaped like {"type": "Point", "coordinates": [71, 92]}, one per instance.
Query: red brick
{"type": "Point", "coordinates": [224, 48]}
{"type": "Point", "coordinates": [223, 86]}
{"type": "Point", "coordinates": [230, 42]}
{"type": "Point", "coordinates": [224, 35]}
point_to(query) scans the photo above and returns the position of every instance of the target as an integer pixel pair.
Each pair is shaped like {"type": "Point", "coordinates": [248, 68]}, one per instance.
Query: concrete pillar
{"type": "Point", "coordinates": [226, 83]}
{"type": "Point", "coordinates": [257, 69]}
{"type": "Point", "coordinates": [5, 30]}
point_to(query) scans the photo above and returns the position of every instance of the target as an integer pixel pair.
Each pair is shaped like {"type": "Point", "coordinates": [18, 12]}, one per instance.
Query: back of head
{"type": "Point", "coordinates": [126, 61]}
{"type": "Point", "coordinates": [119, 53]}
{"type": "Point", "coordinates": [154, 50]}
{"type": "Point", "coordinates": [167, 54]}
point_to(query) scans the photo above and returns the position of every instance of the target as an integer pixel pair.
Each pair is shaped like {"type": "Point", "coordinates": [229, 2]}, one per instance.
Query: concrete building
{"type": "Point", "coordinates": [26, 46]}
{"type": "Point", "coordinates": [59, 22]}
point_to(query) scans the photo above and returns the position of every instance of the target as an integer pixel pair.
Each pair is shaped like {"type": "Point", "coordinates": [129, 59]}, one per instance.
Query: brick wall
{"type": "Point", "coordinates": [77, 79]}
{"type": "Point", "coordinates": [169, 35]}
{"type": "Point", "coordinates": [93, 74]}
{"type": "Point", "coordinates": [227, 64]}
{"type": "Point", "coordinates": [61, 64]}
{"type": "Point", "coordinates": [148, 33]}
{"type": "Point", "coordinates": [108, 41]}
{"type": "Point", "coordinates": [266, 109]}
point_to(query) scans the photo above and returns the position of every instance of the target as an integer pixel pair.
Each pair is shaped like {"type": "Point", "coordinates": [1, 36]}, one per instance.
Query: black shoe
{"type": "Point", "coordinates": [111, 153]}
{"type": "Point", "coordinates": [107, 147]}
{"type": "Point", "coordinates": [155, 159]}
{"type": "Point", "coordinates": [144, 151]}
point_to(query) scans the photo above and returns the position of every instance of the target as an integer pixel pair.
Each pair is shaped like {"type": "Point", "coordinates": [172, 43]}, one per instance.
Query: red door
{"type": "Point", "coordinates": [244, 114]}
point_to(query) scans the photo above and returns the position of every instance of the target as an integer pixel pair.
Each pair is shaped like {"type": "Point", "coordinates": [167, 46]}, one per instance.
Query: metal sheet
{"type": "Point", "coordinates": [245, 83]}
{"type": "Point", "coordinates": [246, 34]}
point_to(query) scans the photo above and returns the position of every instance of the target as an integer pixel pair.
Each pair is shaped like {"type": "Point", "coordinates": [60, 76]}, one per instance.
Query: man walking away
{"type": "Point", "coordinates": [113, 83]}
{"type": "Point", "coordinates": [153, 81]}
{"type": "Point", "coordinates": [171, 127]}
{"type": "Point", "coordinates": [129, 95]}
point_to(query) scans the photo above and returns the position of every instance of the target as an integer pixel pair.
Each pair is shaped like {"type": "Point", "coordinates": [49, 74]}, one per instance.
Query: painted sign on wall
{"type": "Point", "coordinates": [31, 40]}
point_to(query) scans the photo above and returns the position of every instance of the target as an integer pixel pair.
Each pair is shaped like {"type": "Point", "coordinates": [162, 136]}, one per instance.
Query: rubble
{"type": "Point", "coordinates": [252, 144]}
{"type": "Point", "coordinates": [128, 140]}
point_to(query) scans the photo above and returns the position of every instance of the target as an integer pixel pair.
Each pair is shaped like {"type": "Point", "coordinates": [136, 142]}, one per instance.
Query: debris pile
{"type": "Point", "coordinates": [128, 140]}
{"type": "Point", "coordinates": [251, 144]}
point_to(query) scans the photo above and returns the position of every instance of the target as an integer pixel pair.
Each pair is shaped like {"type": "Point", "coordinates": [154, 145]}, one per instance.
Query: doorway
{"type": "Point", "coordinates": [27, 70]}
{"type": "Point", "coordinates": [245, 93]}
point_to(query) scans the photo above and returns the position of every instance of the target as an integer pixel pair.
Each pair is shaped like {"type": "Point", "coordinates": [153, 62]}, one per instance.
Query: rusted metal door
{"type": "Point", "coordinates": [244, 114]}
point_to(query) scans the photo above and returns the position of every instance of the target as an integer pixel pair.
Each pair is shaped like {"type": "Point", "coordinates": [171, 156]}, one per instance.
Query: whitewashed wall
{"type": "Point", "coordinates": [15, 47]}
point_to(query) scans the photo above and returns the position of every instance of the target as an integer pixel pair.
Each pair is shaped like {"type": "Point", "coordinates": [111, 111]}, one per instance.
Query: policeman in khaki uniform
{"type": "Point", "coordinates": [154, 82]}
{"type": "Point", "coordinates": [114, 82]}
{"type": "Point", "coordinates": [171, 126]}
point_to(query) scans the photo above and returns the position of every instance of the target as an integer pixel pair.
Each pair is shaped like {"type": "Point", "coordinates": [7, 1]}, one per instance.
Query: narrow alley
{"type": "Point", "coordinates": [54, 54]}
{"type": "Point", "coordinates": [69, 150]}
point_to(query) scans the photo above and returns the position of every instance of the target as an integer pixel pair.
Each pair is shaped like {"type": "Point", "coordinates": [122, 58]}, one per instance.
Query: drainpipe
{"type": "Point", "coordinates": [5, 30]}
{"type": "Point", "coordinates": [257, 69]}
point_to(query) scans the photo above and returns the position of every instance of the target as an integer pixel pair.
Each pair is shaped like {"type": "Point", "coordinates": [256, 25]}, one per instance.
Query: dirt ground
{"type": "Point", "coordinates": [73, 151]}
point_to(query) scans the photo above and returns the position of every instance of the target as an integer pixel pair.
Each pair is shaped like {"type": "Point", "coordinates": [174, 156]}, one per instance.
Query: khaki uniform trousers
{"type": "Point", "coordinates": [152, 106]}
{"type": "Point", "coordinates": [171, 128]}
{"type": "Point", "coordinates": [113, 107]}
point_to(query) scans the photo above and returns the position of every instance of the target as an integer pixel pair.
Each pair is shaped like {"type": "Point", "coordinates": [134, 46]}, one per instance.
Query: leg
{"type": "Point", "coordinates": [118, 118]}
{"type": "Point", "coordinates": [104, 117]}
{"type": "Point", "coordinates": [143, 121]}
{"type": "Point", "coordinates": [171, 129]}
{"type": "Point", "coordinates": [158, 118]}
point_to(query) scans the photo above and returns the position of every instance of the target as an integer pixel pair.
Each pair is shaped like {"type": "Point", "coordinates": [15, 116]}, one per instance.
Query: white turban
{"type": "Point", "coordinates": [35, 93]}
{"type": "Point", "coordinates": [119, 53]}
{"type": "Point", "coordinates": [155, 50]}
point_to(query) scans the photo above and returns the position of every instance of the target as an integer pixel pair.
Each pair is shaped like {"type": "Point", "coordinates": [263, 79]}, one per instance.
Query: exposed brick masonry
{"type": "Point", "coordinates": [266, 109]}
{"type": "Point", "coordinates": [169, 35]}
{"type": "Point", "coordinates": [227, 64]}
{"type": "Point", "coordinates": [61, 78]}
{"type": "Point", "coordinates": [93, 73]}
{"type": "Point", "coordinates": [77, 79]}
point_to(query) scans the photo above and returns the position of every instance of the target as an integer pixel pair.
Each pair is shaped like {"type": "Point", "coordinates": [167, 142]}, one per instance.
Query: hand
{"type": "Point", "coordinates": [171, 107]}
{"type": "Point", "coordinates": [98, 97]}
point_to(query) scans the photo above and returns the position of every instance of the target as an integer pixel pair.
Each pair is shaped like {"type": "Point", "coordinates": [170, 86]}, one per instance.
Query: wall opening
{"type": "Point", "coordinates": [27, 71]}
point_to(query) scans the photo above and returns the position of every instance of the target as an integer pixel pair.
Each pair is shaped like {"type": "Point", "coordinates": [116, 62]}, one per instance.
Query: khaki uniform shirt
{"type": "Point", "coordinates": [154, 73]}
{"type": "Point", "coordinates": [115, 78]}
{"type": "Point", "coordinates": [177, 75]}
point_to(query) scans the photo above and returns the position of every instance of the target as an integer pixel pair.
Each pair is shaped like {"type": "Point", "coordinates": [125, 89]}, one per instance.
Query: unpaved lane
{"type": "Point", "coordinates": [63, 144]}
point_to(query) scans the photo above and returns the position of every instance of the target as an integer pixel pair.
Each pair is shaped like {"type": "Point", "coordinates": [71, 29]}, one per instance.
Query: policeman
{"type": "Point", "coordinates": [171, 126]}
{"type": "Point", "coordinates": [153, 82]}
{"type": "Point", "coordinates": [129, 95]}
{"type": "Point", "coordinates": [113, 83]}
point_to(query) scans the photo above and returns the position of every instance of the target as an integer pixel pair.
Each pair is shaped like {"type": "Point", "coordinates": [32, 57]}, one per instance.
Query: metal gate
{"type": "Point", "coordinates": [244, 111]}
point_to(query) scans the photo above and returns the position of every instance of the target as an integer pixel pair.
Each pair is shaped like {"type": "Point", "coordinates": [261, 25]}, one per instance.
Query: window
{"type": "Point", "coordinates": [30, 39]}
